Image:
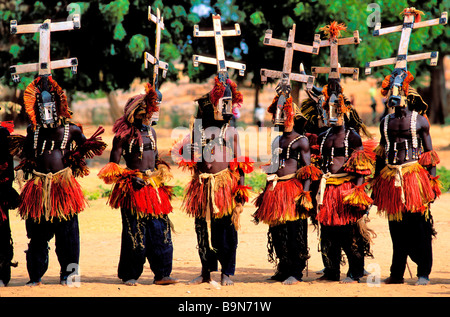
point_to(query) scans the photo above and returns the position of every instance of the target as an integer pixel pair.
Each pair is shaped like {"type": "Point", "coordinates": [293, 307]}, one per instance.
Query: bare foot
{"type": "Point", "coordinates": [199, 279]}
{"type": "Point", "coordinates": [33, 284]}
{"type": "Point", "coordinates": [131, 282]}
{"type": "Point", "coordinates": [166, 281]}
{"type": "Point", "coordinates": [349, 280]}
{"type": "Point", "coordinates": [225, 280]}
{"type": "Point", "coordinates": [290, 281]}
{"type": "Point", "coordinates": [423, 281]}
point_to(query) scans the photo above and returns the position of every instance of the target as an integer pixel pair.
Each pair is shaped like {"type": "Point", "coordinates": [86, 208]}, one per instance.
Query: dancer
{"type": "Point", "coordinates": [140, 192]}
{"type": "Point", "coordinates": [53, 154]}
{"type": "Point", "coordinates": [8, 200]}
{"type": "Point", "coordinates": [342, 201]}
{"type": "Point", "coordinates": [216, 193]}
{"type": "Point", "coordinates": [405, 182]}
{"type": "Point", "coordinates": [285, 203]}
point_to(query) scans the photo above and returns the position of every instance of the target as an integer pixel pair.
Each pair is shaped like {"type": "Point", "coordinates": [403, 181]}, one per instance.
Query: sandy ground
{"type": "Point", "coordinates": [100, 231]}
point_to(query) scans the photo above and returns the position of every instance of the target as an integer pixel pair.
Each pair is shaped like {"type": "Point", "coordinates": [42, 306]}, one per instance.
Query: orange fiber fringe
{"type": "Point", "coordinates": [413, 11]}
{"type": "Point", "coordinates": [29, 99]}
{"type": "Point", "coordinates": [357, 197]}
{"type": "Point", "coordinates": [429, 158]}
{"type": "Point", "coordinates": [66, 197]}
{"type": "Point", "coordinates": [334, 211]}
{"type": "Point", "coordinates": [219, 89]}
{"type": "Point", "coordinates": [418, 191]}
{"type": "Point", "coordinates": [278, 205]}
{"type": "Point", "coordinates": [76, 158]}
{"type": "Point", "coordinates": [305, 200]}
{"type": "Point", "coordinates": [359, 162]}
{"type": "Point", "coordinates": [309, 172]}
{"type": "Point", "coordinates": [146, 201]}
{"type": "Point", "coordinates": [110, 173]}
{"type": "Point", "coordinates": [197, 198]}
{"type": "Point", "coordinates": [386, 84]}
{"type": "Point", "coordinates": [242, 193]}
{"type": "Point", "coordinates": [333, 30]}
{"type": "Point", "coordinates": [9, 125]}
{"type": "Point", "coordinates": [244, 163]}
{"type": "Point", "coordinates": [436, 185]}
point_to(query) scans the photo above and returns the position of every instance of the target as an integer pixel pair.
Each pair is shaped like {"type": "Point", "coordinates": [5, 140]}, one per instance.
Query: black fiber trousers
{"type": "Point", "coordinates": [67, 246]}
{"type": "Point", "coordinates": [145, 238]}
{"type": "Point", "coordinates": [334, 239]}
{"type": "Point", "coordinates": [224, 241]}
{"type": "Point", "coordinates": [290, 243]}
{"type": "Point", "coordinates": [6, 249]}
{"type": "Point", "coordinates": [412, 236]}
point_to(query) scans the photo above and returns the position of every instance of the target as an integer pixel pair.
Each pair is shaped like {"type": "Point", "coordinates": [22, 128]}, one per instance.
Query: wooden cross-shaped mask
{"type": "Point", "coordinates": [290, 46]}
{"type": "Point", "coordinates": [149, 58]}
{"type": "Point", "coordinates": [402, 57]}
{"type": "Point", "coordinates": [45, 65]}
{"type": "Point", "coordinates": [218, 35]}
{"type": "Point", "coordinates": [335, 68]}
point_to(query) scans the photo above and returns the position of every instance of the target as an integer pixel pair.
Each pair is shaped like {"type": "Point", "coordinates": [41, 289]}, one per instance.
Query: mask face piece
{"type": "Point", "coordinates": [155, 118]}
{"type": "Point", "coordinates": [280, 116]}
{"type": "Point", "coordinates": [334, 116]}
{"type": "Point", "coordinates": [155, 115]}
{"type": "Point", "coordinates": [396, 96]}
{"type": "Point", "coordinates": [223, 111]}
{"type": "Point", "coordinates": [47, 109]}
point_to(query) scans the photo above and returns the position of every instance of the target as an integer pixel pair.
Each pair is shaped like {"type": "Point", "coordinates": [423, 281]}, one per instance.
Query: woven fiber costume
{"type": "Point", "coordinates": [285, 203]}
{"type": "Point", "coordinates": [216, 193]}
{"type": "Point", "coordinates": [8, 200]}
{"type": "Point", "coordinates": [345, 161]}
{"type": "Point", "coordinates": [139, 190]}
{"type": "Point", "coordinates": [405, 182]}
{"type": "Point", "coordinates": [53, 154]}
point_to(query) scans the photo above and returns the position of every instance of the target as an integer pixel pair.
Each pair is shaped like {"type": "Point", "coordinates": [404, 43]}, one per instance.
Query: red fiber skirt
{"type": "Point", "coordinates": [278, 205]}
{"type": "Point", "coordinates": [333, 211]}
{"type": "Point", "coordinates": [61, 200]}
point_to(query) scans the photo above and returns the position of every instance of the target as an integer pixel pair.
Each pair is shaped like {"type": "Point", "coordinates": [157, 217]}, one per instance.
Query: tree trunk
{"type": "Point", "coordinates": [114, 108]}
{"type": "Point", "coordinates": [438, 108]}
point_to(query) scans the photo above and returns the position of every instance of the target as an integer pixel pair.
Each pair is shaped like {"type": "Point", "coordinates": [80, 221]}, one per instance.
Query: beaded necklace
{"type": "Point", "coordinates": [330, 160]}
{"type": "Point", "coordinates": [415, 140]}
{"type": "Point", "coordinates": [36, 139]}
{"type": "Point", "coordinates": [282, 162]}
{"type": "Point", "coordinates": [141, 147]}
{"type": "Point", "coordinates": [221, 135]}
{"type": "Point", "coordinates": [386, 137]}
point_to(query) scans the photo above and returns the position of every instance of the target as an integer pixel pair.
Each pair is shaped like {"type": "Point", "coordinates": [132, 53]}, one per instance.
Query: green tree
{"type": "Point", "coordinates": [110, 44]}
{"type": "Point", "coordinates": [309, 16]}
{"type": "Point", "coordinates": [115, 34]}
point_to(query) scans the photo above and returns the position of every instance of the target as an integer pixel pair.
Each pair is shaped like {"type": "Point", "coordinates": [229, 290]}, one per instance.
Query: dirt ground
{"type": "Point", "coordinates": [100, 231]}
